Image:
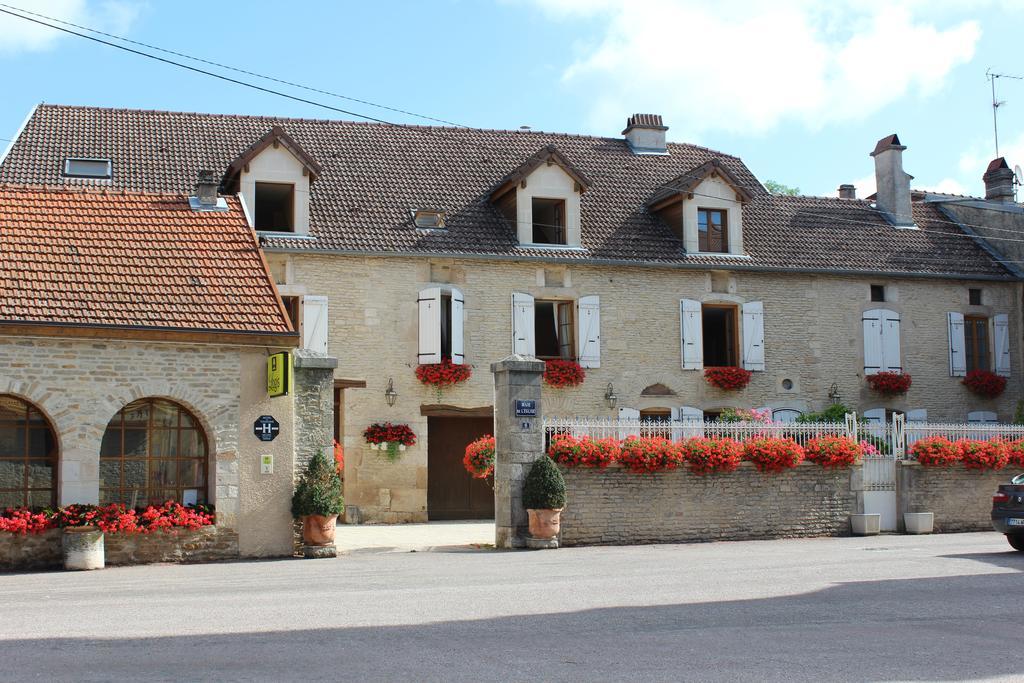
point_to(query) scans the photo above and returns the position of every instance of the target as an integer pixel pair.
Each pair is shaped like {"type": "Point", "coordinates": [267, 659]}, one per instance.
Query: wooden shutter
{"type": "Point", "coordinates": [753, 335]}
{"type": "Point", "coordinates": [628, 414]}
{"type": "Point", "coordinates": [957, 357]}
{"type": "Point", "coordinates": [690, 334]}
{"type": "Point", "coordinates": [458, 313]}
{"type": "Point", "coordinates": [314, 323]}
{"type": "Point", "coordinates": [891, 342]}
{"type": "Point", "coordinates": [429, 302]}
{"type": "Point", "coordinates": [588, 330]}
{"type": "Point", "coordinates": [872, 342]}
{"type": "Point", "coordinates": [523, 341]}
{"type": "Point", "coordinates": [1001, 343]}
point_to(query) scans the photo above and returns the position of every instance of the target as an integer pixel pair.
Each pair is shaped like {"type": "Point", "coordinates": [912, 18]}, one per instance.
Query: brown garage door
{"type": "Point", "coordinates": [451, 492]}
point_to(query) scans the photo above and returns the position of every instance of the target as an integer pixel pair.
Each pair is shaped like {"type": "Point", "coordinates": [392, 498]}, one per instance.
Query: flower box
{"type": "Point", "coordinates": [889, 383]}
{"type": "Point", "coordinates": [728, 378]}
{"type": "Point", "coordinates": [443, 374]}
{"type": "Point", "coordinates": [984, 383]}
{"type": "Point", "coordinates": [919, 522]}
{"type": "Point", "coordinates": [866, 525]}
{"type": "Point", "coordinates": [563, 373]}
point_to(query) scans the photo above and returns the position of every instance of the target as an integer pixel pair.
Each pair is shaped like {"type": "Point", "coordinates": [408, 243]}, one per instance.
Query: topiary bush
{"type": "Point", "coordinates": [544, 487]}
{"type": "Point", "coordinates": [319, 490]}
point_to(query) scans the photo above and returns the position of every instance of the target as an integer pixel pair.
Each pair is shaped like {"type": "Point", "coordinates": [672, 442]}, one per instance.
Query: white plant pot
{"type": "Point", "coordinates": [866, 525]}
{"type": "Point", "coordinates": [82, 548]}
{"type": "Point", "coordinates": [919, 522]}
{"type": "Point", "coordinates": [401, 446]}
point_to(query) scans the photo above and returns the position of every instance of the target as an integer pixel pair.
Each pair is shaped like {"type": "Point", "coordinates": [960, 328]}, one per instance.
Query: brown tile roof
{"type": "Point", "coordinates": [373, 174]}
{"type": "Point", "coordinates": [88, 257]}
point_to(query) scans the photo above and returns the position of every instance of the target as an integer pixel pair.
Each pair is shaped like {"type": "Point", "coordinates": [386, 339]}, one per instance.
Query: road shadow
{"type": "Point", "coordinates": [1011, 559]}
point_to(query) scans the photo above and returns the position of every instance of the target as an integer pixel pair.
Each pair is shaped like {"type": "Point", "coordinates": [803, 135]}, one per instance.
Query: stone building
{"type": "Point", "coordinates": [134, 335]}
{"type": "Point", "coordinates": [644, 261]}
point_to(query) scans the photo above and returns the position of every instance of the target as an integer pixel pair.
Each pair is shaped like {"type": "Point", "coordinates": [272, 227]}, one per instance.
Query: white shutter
{"type": "Point", "coordinates": [314, 323]}
{"type": "Point", "coordinates": [1001, 343]}
{"type": "Point", "coordinates": [692, 420]}
{"type": "Point", "coordinates": [523, 342]}
{"type": "Point", "coordinates": [957, 359]}
{"type": "Point", "coordinates": [628, 414]}
{"type": "Point", "coordinates": [874, 416]}
{"type": "Point", "coordinates": [429, 302]}
{"type": "Point", "coordinates": [588, 331]}
{"type": "Point", "coordinates": [982, 416]}
{"type": "Point", "coordinates": [872, 342]}
{"type": "Point", "coordinates": [917, 415]}
{"type": "Point", "coordinates": [458, 314]}
{"type": "Point", "coordinates": [753, 335]}
{"type": "Point", "coordinates": [690, 334]}
{"type": "Point", "coordinates": [891, 342]}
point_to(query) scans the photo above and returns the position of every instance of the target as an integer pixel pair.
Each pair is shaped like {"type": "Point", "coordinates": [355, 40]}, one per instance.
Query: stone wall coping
{"type": "Point", "coordinates": [745, 465]}
{"type": "Point", "coordinates": [313, 360]}
{"type": "Point", "coordinates": [517, 363]}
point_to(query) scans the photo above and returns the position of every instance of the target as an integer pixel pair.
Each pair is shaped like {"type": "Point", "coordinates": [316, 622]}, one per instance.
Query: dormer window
{"type": "Point", "coordinates": [101, 169]}
{"type": "Point", "coordinates": [712, 230]}
{"type": "Point", "coordinates": [428, 219]}
{"type": "Point", "coordinates": [549, 221]}
{"type": "Point", "coordinates": [275, 207]}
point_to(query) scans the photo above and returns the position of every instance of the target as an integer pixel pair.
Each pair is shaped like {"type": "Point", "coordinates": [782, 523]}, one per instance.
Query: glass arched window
{"type": "Point", "coordinates": [153, 451]}
{"type": "Point", "coordinates": [28, 455]}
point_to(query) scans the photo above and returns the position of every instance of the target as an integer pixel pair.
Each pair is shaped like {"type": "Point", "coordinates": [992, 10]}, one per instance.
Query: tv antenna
{"type": "Point", "coordinates": [1018, 180]}
{"type": "Point", "coordinates": [992, 76]}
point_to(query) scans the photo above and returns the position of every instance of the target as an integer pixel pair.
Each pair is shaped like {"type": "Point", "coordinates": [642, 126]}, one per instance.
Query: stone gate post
{"type": "Point", "coordinates": [314, 405]}
{"type": "Point", "coordinates": [519, 440]}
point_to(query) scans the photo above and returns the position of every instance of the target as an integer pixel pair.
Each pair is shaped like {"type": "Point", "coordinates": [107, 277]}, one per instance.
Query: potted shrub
{"type": "Point", "coordinates": [544, 499]}
{"type": "Point", "coordinates": [317, 501]}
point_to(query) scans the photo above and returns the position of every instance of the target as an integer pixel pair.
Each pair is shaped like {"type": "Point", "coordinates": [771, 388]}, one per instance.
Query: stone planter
{"type": "Point", "coordinates": [919, 522]}
{"type": "Point", "coordinates": [318, 536]}
{"type": "Point", "coordinates": [866, 525]}
{"type": "Point", "coordinates": [544, 528]}
{"type": "Point", "coordinates": [82, 548]}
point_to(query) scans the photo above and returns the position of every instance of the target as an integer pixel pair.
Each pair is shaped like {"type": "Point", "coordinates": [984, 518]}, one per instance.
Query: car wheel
{"type": "Point", "coordinates": [1016, 541]}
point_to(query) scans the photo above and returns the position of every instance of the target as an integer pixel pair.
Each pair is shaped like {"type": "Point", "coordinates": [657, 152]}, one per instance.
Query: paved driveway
{"type": "Point", "coordinates": [884, 608]}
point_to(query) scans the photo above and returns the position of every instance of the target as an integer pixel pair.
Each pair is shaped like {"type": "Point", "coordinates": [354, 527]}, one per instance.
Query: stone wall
{"type": "Point", "coordinates": [960, 498]}
{"type": "Point", "coordinates": [30, 551]}
{"type": "Point", "coordinates": [616, 507]}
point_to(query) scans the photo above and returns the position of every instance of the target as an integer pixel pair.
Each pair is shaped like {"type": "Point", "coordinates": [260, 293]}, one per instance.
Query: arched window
{"type": "Point", "coordinates": [28, 455]}
{"type": "Point", "coordinates": [153, 451]}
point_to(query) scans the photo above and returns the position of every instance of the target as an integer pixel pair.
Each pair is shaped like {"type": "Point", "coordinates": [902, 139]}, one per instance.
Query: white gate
{"type": "Point", "coordinates": [879, 470]}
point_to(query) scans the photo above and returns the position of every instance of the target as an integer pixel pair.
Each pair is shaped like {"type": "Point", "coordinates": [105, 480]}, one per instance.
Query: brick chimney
{"type": "Point", "coordinates": [645, 134]}
{"type": "Point", "coordinates": [847, 191]}
{"type": "Point", "coordinates": [999, 181]}
{"type": "Point", "coordinates": [892, 195]}
{"type": "Point", "coordinates": [206, 189]}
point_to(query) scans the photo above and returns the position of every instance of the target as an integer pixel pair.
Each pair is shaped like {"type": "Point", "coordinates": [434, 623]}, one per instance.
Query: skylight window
{"type": "Point", "coordinates": [428, 219]}
{"type": "Point", "coordinates": [88, 168]}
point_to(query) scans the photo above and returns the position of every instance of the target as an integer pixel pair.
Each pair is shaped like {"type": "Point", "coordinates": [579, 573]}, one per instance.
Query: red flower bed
{"type": "Point", "coordinates": [24, 521]}
{"type": "Point", "coordinates": [563, 373]}
{"type": "Point", "coordinates": [390, 433]}
{"type": "Point", "coordinates": [113, 518]}
{"type": "Point", "coordinates": [705, 456]}
{"type": "Point", "coordinates": [889, 383]}
{"type": "Point", "coordinates": [1015, 452]}
{"type": "Point", "coordinates": [935, 451]}
{"type": "Point", "coordinates": [479, 457]}
{"type": "Point", "coordinates": [985, 383]}
{"type": "Point", "coordinates": [650, 454]}
{"type": "Point", "coordinates": [983, 455]}
{"type": "Point", "coordinates": [728, 378]}
{"type": "Point", "coordinates": [770, 454]}
{"type": "Point", "coordinates": [443, 374]}
{"type": "Point", "coordinates": [833, 451]}
{"type": "Point", "coordinates": [567, 450]}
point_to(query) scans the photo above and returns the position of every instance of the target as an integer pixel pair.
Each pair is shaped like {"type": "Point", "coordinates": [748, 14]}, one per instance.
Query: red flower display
{"type": "Point", "coordinates": [563, 373]}
{"type": "Point", "coordinates": [833, 451]}
{"type": "Point", "coordinates": [650, 454]}
{"type": "Point", "coordinates": [443, 374]}
{"type": "Point", "coordinates": [390, 433]}
{"type": "Point", "coordinates": [771, 454]}
{"type": "Point", "coordinates": [24, 521]}
{"type": "Point", "coordinates": [935, 451]}
{"type": "Point", "coordinates": [889, 383]}
{"type": "Point", "coordinates": [567, 450]}
{"type": "Point", "coordinates": [983, 455]}
{"type": "Point", "coordinates": [479, 457]}
{"type": "Point", "coordinates": [984, 383]}
{"type": "Point", "coordinates": [706, 456]}
{"type": "Point", "coordinates": [339, 458]}
{"type": "Point", "coordinates": [728, 378]}
{"type": "Point", "coordinates": [1015, 452]}
{"type": "Point", "coordinates": [113, 518]}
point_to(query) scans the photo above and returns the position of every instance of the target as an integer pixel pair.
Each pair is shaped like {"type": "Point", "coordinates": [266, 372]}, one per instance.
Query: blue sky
{"type": "Point", "coordinates": [801, 90]}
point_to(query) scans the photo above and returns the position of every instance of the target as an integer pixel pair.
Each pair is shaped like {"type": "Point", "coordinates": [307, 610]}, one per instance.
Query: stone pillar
{"type": "Point", "coordinates": [519, 440]}
{"type": "Point", "coordinates": [314, 405]}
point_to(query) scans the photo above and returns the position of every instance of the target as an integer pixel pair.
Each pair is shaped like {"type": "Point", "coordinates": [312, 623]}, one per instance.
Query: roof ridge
{"type": "Point", "coordinates": [91, 190]}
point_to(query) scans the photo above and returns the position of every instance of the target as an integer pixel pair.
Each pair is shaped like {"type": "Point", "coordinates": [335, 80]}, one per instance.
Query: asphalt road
{"type": "Point", "coordinates": [884, 608]}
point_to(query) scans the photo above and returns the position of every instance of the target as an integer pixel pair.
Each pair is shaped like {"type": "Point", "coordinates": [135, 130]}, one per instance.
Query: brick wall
{"type": "Point", "coordinates": [960, 498]}
{"type": "Point", "coordinates": [613, 506]}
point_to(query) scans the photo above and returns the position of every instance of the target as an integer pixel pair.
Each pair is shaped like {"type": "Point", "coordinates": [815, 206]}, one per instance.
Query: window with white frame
{"type": "Point", "coordinates": [550, 329]}
{"type": "Point", "coordinates": [441, 320]}
{"type": "Point", "coordinates": [724, 342]}
{"type": "Point", "coordinates": [978, 343]}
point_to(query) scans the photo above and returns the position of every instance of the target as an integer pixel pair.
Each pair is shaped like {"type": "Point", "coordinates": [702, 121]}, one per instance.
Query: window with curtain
{"type": "Point", "coordinates": [153, 451]}
{"type": "Point", "coordinates": [28, 455]}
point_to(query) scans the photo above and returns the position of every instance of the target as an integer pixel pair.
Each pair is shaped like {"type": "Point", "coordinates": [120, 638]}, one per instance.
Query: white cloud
{"type": "Point", "coordinates": [747, 67]}
{"type": "Point", "coordinates": [18, 35]}
{"type": "Point", "coordinates": [944, 186]}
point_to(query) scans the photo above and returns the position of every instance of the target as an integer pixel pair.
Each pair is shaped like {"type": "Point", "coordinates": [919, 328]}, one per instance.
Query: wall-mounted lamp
{"type": "Point", "coordinates": [833, 393]}
{"type": "Point", "coordinates": [609, 396]}
{"type": "Point", "coordinates": [390, 395]}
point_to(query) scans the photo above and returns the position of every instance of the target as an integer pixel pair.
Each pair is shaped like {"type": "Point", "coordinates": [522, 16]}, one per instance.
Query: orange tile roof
{"type": "Point", "coordinates": [111, 258]}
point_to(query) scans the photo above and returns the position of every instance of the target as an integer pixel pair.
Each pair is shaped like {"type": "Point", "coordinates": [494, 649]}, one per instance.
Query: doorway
{"type": "Point", "coordinates": [451, 492]}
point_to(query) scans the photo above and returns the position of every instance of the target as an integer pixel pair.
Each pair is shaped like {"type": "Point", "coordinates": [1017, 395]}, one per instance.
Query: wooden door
{"type": "Point", "coordinates": [451, 492]}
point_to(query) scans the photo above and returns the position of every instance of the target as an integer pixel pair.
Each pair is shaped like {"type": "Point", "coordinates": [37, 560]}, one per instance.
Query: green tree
{"type": "Point", "coordinates": [778, 188]}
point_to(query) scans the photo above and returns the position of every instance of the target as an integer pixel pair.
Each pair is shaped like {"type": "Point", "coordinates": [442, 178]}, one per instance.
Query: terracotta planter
{"type": "Point", "coordinates": [545, 524]}
{"type": "Point", "coordinates": [318, 529]}
{"type": "Point", "coordinates": [82, 548]}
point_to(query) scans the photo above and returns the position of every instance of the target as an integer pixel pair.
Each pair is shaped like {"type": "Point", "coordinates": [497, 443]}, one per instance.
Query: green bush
{"type": "Point", "coordinates": [834, 413]}
{"type": "Point", "coordinates": [544, 487]}
{"type": "Point", "coordinates": [319, 489]}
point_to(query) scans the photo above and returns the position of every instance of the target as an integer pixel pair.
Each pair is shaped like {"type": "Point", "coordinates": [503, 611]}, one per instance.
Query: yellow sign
{"type": "Point", "coordinates": [279, 375]}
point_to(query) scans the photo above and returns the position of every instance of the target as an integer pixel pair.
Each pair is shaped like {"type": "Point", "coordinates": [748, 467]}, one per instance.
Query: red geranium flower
{"type": "Point", "coordinates": [984, 383]}
{"type": "Point", "coordinates": [728, 378]}
{"type": "Point", "coordinates": [889, 383]}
